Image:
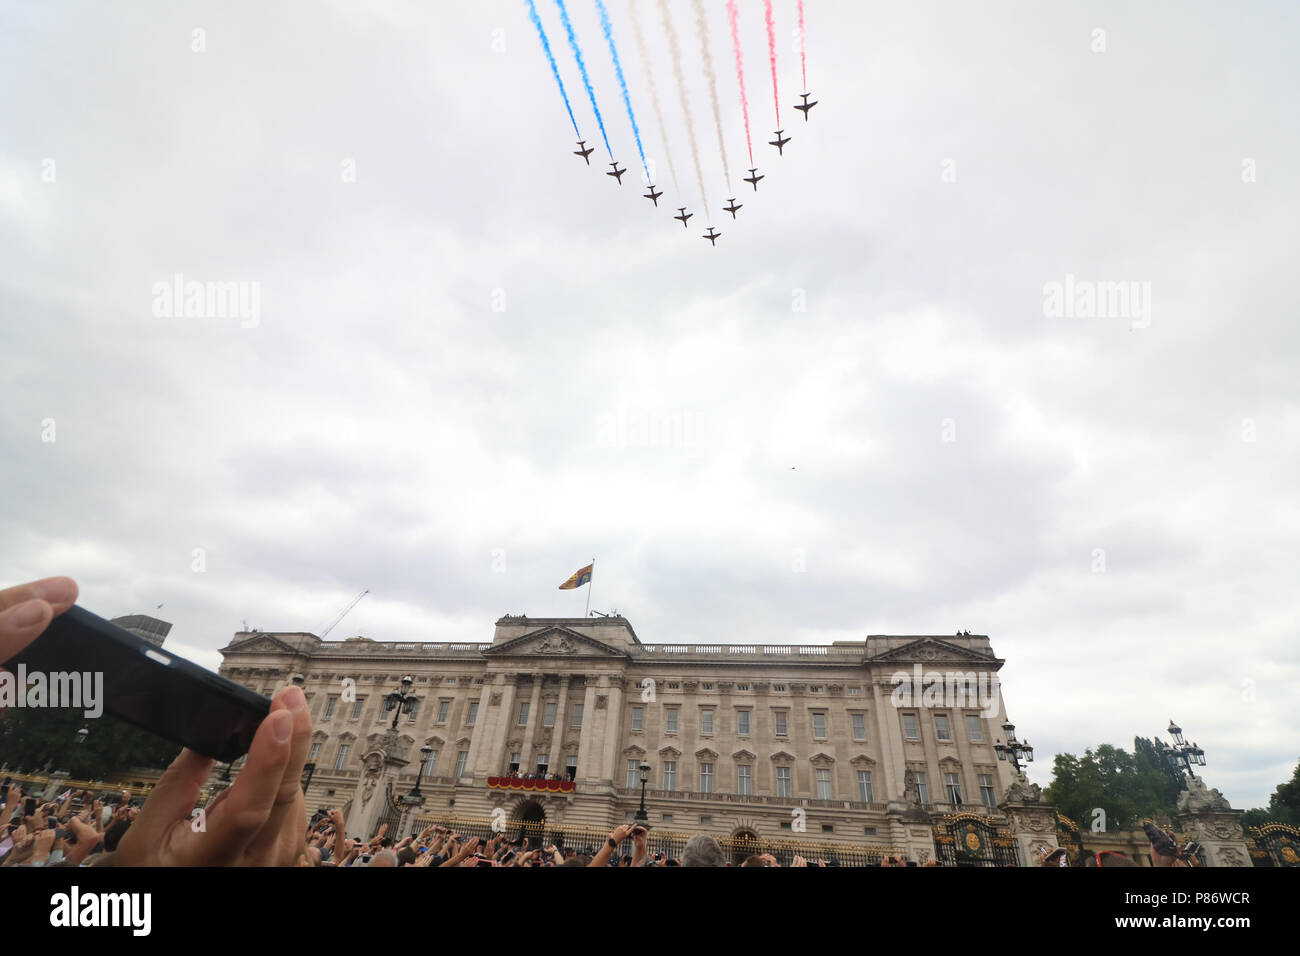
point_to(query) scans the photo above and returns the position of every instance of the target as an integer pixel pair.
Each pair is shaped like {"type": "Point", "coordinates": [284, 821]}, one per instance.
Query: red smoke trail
{"type": "Point", "coordinates": [771, 55]}
{"type": "Point", "coordinates": [740, 71]}
{"type": "Point", "coordinates": [803, 51]}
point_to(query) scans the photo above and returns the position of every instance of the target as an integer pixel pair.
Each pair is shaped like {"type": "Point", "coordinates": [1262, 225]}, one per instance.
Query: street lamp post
{"type": "Point", "coordinates": [424, 758]}
{"type": "Point", "coordinates": [401, 701]}
{"type": "Point", "coordinates": [1014, 750]}
{"type": "Point", "coordinates": [641, 815]}
{"type": "Point", "coordinates": [1182, 756]}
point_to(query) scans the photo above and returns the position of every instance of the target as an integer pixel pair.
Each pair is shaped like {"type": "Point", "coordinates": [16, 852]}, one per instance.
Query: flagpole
{"type": "Point", "coordinates": [590, 582]}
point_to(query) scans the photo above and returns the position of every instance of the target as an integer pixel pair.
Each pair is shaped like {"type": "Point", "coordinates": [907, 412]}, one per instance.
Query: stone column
{"type": "Point", "coordinates": [892, 764]}
{"type": "Point", "coordinates": [379, 768]}
{"type": "Point", "coordinates": [495, 745]}
{"type": "Point", "coordinates": [1032, 822]}
{"type": "Point", "coordinates": [527, 762]}
{"type": "Point", "coordinates": [586, 755]}
{"type": "Point", "coordinates": [1209, 820]}
{"type": "Point", "coordinates": [613, 717]}
{"type": "Point", "coordinates": [557, 733]}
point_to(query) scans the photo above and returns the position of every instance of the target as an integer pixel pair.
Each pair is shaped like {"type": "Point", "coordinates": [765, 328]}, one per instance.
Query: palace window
{"type": "Point", "coordinates": [823, 784]}
{"type": "Point", "coordinates": [638, 718]}
{"type": "Point", "coordinates": [941, 729]}
{"type": "Point", "coordinates": [415, 711]}
{"type": "Point", "coordinates": [922, 788]}
{"type": "Point", "coordinates": [674, 685]}
{"type": "Point", "coordinates": [988, 796]}
{"type": "Point", "coordinates": [576, 723]}
{"type": "Point", "coordinates": [430, 764]}
{"type": "Point", "coordinates": [706, 778]}
{"type": "Point", "coordinates": [342, 757]}
{"type": "Point", "coordinates": [781, 729]}
{"type": "Point", "coordinates": [548, 715]}
{"type": "Point", "coordinates": [953, 785]}
{"type": "Point", "coordinates": [329, 707]}
{"type": "Point", "coordinates": [783, 782]}
{"type": "Point", "coordinates": [471, 715]}
{"type": "Point", "coordinates": [742, 723]}
{"type": "Point", "coordinates": [633, 774]}
{"type": "Point", "coordinates": [543, 764]}
{"type": "Point", "coordinates": [514, 763]}
{"type": "Point", "coordinates": [819, 725]}
{"type": "Point", "coordinates": [523, 714]}
{"type": "Point", "coordinates": [864, 786]}
{"type": "Point", "coordinates": [460, 763]}
{"type": "Point", "coordinates": [706, 721]}
{"type": "Point", "coordinates": [357, 707]}
{"type": "Point", "coordinates": [571, 767]}
{"type": "Point", "coordinates": [744, 779]}
{"type": "Point", "coordinates": [315, 752]}
{"type": "Point", "coordinates": [859, 726]}
{"type": "Point", "coordinates": [670, 774]}
{"type": "Point", "coordinates": [779, 688]}
{"type": "Point", "coordinates": [911, 729]}
{"type": "Point", "coordinates": [444, 706]}
{"type": "Point", "coordinates": [670, 720]}
{"type": "Point", "coordinates": [974, 728]}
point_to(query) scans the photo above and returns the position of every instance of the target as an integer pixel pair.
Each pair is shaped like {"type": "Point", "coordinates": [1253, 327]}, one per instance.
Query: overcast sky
{"type": "Point", "coordinates": [477, 362]}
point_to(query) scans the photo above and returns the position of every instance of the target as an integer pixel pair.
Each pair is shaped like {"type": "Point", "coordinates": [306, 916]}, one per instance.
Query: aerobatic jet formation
{"type": "Point", "coordinates": [722, 170]}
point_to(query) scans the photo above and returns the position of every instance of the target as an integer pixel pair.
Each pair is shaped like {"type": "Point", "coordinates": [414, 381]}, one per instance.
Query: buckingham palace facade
{"type": "Point", "coordinates": [761, 740]}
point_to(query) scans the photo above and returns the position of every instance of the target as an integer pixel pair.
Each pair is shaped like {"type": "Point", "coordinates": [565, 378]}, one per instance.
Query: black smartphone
{"type": "Point", "coordinates": [29, 808]}
{"type": "Point", "coordinates": [149, 686]}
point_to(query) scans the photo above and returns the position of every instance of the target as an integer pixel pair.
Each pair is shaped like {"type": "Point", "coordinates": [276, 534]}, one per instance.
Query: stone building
{"type": "Point", "coordinates": [856, 742]}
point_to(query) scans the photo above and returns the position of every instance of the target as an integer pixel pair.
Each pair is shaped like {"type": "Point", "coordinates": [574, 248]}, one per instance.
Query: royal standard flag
{"type": "Point", "coordinates": [580, 577]}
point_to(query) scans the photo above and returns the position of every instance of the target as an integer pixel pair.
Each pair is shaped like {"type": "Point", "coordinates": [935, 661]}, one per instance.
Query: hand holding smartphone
{"type": "Point", "coordinates": [150, 687]}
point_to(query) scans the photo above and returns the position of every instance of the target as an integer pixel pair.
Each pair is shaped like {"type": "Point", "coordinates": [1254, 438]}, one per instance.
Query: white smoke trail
{"type": "Point", "coordinates": [703, 24]}
{"type": "Point", "coordinates": [676, 52]}
{"type": "Point", "coordinates": [654, 94]}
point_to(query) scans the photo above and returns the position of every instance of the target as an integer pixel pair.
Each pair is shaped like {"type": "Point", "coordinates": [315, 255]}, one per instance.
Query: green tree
{"type": "Point", "coordinates": [32, 740]}
{"type": "Point", "coordinates": [1128, 787]}
{"type": "Point", "coordinates": [1283, 805]}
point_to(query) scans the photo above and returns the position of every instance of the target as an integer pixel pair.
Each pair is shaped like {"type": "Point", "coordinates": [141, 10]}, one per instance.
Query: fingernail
{"type": "Point", "coordinates": [27, 614]}
{"type": "Point", "coordinates": [281, 726]}
{"type": "Point", "coordinates": [296, 699]}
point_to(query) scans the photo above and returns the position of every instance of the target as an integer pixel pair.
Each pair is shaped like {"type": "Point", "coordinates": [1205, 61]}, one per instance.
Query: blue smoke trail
{"type": "Point", "coordinates": [546, 45]}
{"type": "Point", "coordinates": [582, 68]}
{"type": "Point", "coordinates": [618, 68]}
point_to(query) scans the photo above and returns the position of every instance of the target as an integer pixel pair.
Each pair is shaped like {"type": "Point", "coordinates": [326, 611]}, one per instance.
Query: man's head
{"type": "Point", "coordinates": [405, 855]}
{"type": "Point", "coordinates": [754, 860]}
{"type": "Point", "coordinates": [384, 858]}
{"type": "Point", "coordinates": [702, 850]}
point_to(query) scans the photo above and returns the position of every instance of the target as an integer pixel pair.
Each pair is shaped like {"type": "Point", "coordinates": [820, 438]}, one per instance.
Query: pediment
{"type": "Point", "coordinates": [260, 644]}
{"type": "Point", "coordinates": [669, 752]}
{"type": "Point", "coordinates": [862, 760]}
{"type": "Point", "coordinates": [782, 755]}
{"type": "Point", "coordinates": [634, 751]}
{"type": "Point", "coordinates": [932, 650]}
{"type": "Point", "coordinates": [555, 641]}
{"type": "Point", "coordinates": [704, 753]}
{"type": "Point", "coordinates": [821, 760]}
{"type": "Point", "coordinates": [742, 755]}
{"type": "Point", "coordinates": [434, 741]}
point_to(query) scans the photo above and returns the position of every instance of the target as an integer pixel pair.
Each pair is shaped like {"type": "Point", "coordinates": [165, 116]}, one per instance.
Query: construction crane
{"type": "Point", "coordinates": [344, 612]}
